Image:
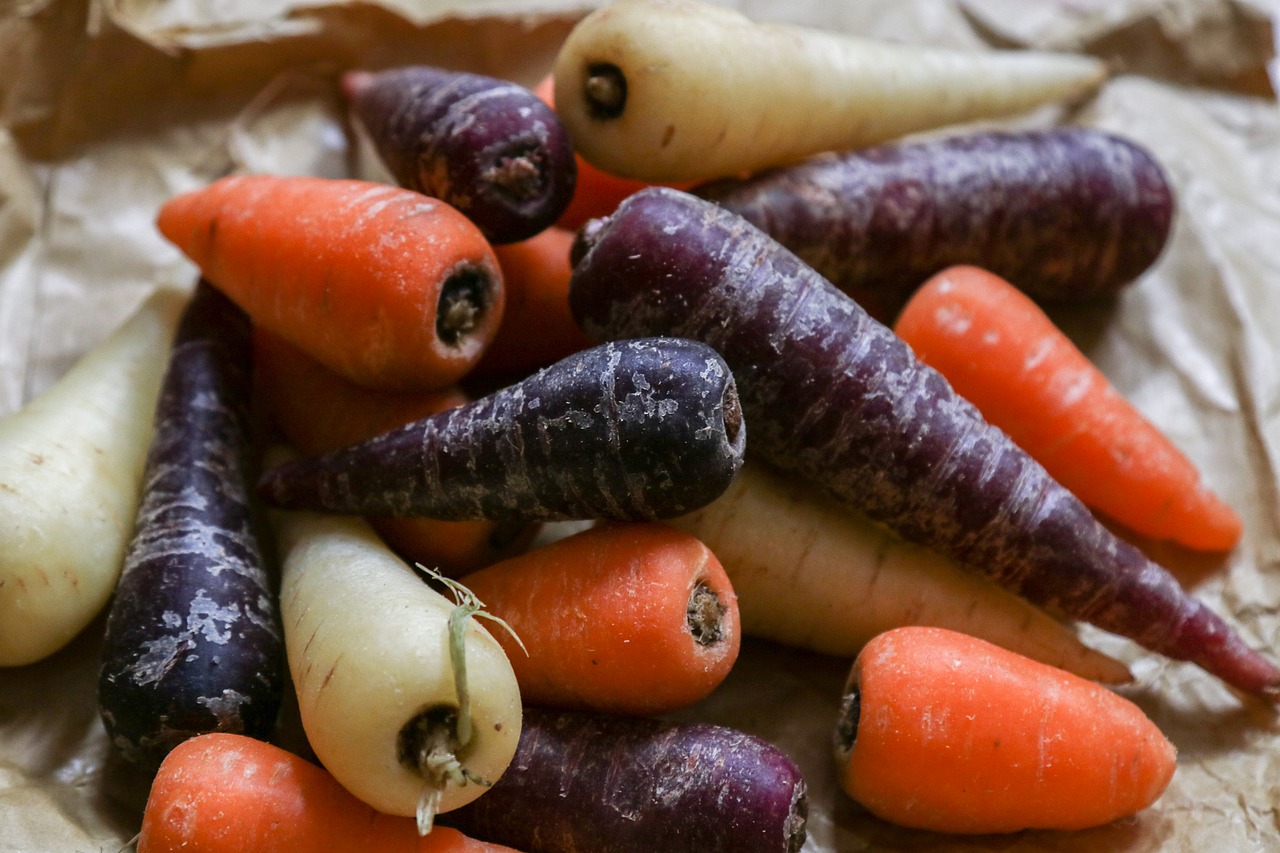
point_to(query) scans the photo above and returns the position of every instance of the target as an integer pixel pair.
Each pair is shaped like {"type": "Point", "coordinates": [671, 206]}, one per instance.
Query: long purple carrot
{"type": "Point", "coordinates": [835, 396]}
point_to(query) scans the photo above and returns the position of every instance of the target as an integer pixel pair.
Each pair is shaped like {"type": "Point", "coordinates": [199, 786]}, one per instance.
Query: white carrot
{"type": "Point", "coordinates": [370, 652]}
{"type": "Point", "coordinates": [814, 575]}
{"type": "Point", "coordinates": [679, 90]}
{"type": "Point", "coordinates": [71, 465]}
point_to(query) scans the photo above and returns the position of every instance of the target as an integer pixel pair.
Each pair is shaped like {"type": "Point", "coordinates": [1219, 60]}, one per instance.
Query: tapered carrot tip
{"type": "Point", "coordinates": [946, 732]}
{"type": "Point", "coordinates": [998, 349]}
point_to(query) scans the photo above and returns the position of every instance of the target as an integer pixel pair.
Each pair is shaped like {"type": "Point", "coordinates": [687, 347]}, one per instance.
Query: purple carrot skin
{"type": "Point", "coordinates": [834, 396]}
{"type": "Point", "coordinates": [193, 641]}
{"type": "Point", "coordinates": [633, 431]}
{"type": "Point", "coordinates": [638, 785]}
{"type": "Point", "coordinates": [490, 148]}
{"type": "Point", "coordinates": [1069, 214]}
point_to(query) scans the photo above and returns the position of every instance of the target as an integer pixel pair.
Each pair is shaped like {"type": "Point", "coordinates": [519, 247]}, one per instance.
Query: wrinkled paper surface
{"type": "Point", "coordinates": [111, 107]}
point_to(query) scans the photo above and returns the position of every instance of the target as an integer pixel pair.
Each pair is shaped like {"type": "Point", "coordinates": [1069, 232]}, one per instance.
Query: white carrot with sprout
{"type": "Point", "coordinates": [676, 90]}
{"type": "Point", "coordinates": [408, 701]}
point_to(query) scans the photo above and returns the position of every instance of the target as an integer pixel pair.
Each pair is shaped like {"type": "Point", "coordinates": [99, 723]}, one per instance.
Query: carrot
{"type": "Point", "coordinates": [633, 431]}
{"type": "Point", "coordinates": [403, 695]}
{"type": "Point", "coordinates": [1001, 351]}
{"type": "Point", "coordinates": [1068, 214]}
{"type": "Point", "coordinates": [537, 329]}
{"type": "Point", "coordinates": [71, 468]}
{"type": "Point", "coordinates": [835, 397]}
{"type": "Point", "coordinates": [597, 192]}
{"type": "Point", "coordinates": [228, 793]}
{"type": "Point", "coordinates": [941, 731]}
{"type": "Point", "coordinates": [387, 287]}
{"type": "Point", "coordinates": [814, 574]}
{"type": "Point", "coordinates": [487, 146]}
{"type": "Point", "coordinates": [624, 618]}
{"type": "Point", "coordinates": [671, 90]}
{"type": "Point", "coordinates": [607, 784]}
{"type": "Point", "coordinates": [193, 639]}
{"type": "Point", "coordinates": [295, 386]}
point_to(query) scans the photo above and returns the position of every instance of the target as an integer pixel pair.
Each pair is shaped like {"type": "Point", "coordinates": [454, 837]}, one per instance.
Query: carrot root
{"type": "Point", "coordinates": [942, 731]}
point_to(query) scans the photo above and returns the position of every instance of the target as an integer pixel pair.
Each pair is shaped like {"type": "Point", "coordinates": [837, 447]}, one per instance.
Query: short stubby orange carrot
{"type": "Point", "coordinates": [1001, 351]}
{"type": "Point", "coordinates": [296, 387]}
{"type": "Point", "coordinates": [228, 793]}
{"type": "Point", "coordinates": [383, 285]}
{"type": "Point", "coordinates": [537, 327]}
{"type": "Point", "coordinates": [942, 731]}
{"type": "Point", "coordinates": [632, 618]}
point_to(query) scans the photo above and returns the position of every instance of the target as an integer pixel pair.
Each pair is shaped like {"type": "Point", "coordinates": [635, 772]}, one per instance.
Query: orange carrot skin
{"type": "Point", "coordinates": [318, 410]}
{"type": "Point", "coordinates": [383, 285]}
{"type": "Point", "coordinates": [298, 389]}
{"type": "Point", "coordinates": [225, 793]}
{"type": "Point", "coordinates": [1001, 351]}
{"type": "Point", "coordinates": [537, 327]}
{"type": "Point", "coordinates": [954, 734]}
{"type": "Point", "coordinates": [604, 615]}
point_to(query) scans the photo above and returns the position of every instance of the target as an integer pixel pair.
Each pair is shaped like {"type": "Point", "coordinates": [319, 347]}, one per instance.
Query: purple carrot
{"type": "Point", "coordinates": [636, 430]}
{"type": "Point", "coordinates": [637, 785]}
{"type": "Point", "coordinates": [1067, 214]}
{"type": "Point", "coordinates": [193, 641]}
{"type": "Point", "coordinates": [834, 396]}
{"type": "Point", "coordinates": [489, 147]}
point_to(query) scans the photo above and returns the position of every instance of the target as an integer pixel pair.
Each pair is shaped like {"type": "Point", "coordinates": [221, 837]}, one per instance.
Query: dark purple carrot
{"type": "Point", "coordinates": [193, 641]}
{"type": "Point", "coordinates": [635, 430]}
{"type": "Point", "coordinates": [1068, 214]}
{"type": "Point", "coordinates": [492, 149]}
{"type": "Point", "coordinates": [639, 785]}
{"type": "Point", "coordinates": [836, 397]}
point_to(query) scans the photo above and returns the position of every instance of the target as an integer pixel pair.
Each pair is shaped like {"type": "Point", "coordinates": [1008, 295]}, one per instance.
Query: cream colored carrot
{"type": "Point", "coordinates": [671, 90]}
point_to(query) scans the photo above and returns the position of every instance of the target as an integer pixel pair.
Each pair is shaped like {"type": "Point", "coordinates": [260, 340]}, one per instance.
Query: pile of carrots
{"type": "Point", "coordinates": [378, 310]}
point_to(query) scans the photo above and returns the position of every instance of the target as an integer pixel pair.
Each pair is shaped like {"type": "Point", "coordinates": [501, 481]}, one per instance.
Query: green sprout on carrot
{"type": "Point", "coordinates": [439, 760]}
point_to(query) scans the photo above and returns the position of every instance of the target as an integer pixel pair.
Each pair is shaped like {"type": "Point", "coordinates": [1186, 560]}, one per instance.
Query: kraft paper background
{"type": "Point", "coordinates": [108, 108]}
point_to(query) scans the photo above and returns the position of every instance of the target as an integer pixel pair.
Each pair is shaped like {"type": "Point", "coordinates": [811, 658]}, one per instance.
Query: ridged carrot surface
{"type": "Point", "coordinates": [386, 286]}
{"type": "Point", "coordinates": [625, 618]}
{"type": "Point", "coordinates": [1001, 351]}
{"type": "Point", "coordinates": [225, 793]}
{"type": "Point", "coordinates": [939, 730]}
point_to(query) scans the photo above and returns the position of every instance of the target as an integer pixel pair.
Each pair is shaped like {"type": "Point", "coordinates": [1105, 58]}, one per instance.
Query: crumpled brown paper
{"type": "Point", "coordinates": [110, 107]}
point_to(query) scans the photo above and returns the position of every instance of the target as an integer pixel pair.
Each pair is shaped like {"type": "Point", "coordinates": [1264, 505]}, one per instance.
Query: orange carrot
{"type": "Point", "coordinates": [318, 411]}
{"type": "Point", "coordinates": [383, 285]}
{"type": "Point", "coordinates": [537, 328]}
{"type": "Point", "coordinates": [596, 192]}
{"type": "Point", "coordinates": [228, 793]}
{"type": "Point", "coordinates": [998, 349]}
{"type": "Point", "coordinates": [626, 618]}
{"type": "Point", "coordinates": [942, 731]}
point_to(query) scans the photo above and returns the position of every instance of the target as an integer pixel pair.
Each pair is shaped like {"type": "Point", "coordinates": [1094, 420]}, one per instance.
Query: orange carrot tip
{"type": "Point", "coordinates": [229, 793]}
{"type": "Point", "coordinates": [631, 618]}
{"type": "Point", "coordinates": [945, 732]}
{"type": "Point", "coordinates": [1001, 351]}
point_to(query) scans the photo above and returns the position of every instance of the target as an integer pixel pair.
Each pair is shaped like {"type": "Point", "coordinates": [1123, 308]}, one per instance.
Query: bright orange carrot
{"type": "Point", "coordinates": [537, 328]}
{"type": "Point", "coordinates": [626, 618]}
{"type": "Point", "coordinates": [318, 411]}
{"type": "Point", "coordinates": [998, 349]}
{"type": "Point", "coordinates": [228, 793]}
{"type": "Point", "coordinates": [942, 731]}
{"type": "Point", "coordinates": [386, 286]}
{"type": "Point", "coordinates": [596, 192]}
